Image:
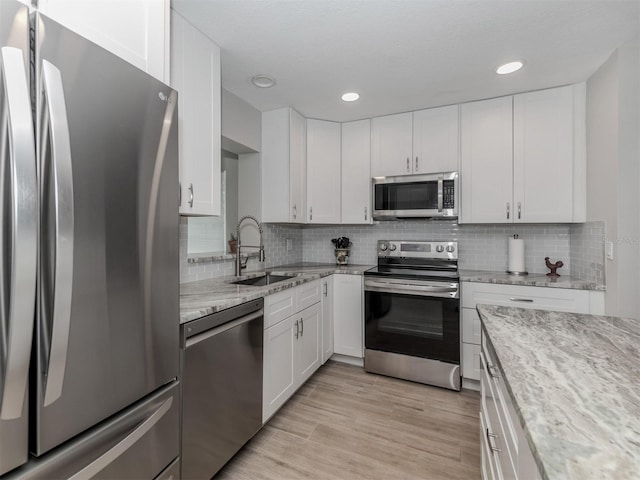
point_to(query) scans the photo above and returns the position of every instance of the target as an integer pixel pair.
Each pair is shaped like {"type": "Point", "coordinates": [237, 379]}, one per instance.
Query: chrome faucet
{"type": "Point", "coordinates": [239, 265]}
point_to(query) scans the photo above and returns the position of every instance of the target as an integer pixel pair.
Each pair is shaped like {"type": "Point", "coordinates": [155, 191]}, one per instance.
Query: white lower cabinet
{"type": "Point", "coordinates": [505, 453]}
{"type": "Point", "coordinates": [542, 298]}
{"type": "Point", "coordinates": [327, 318]}
{"type": "Point", "coordinates": [292, 346]}
{"type": "Point", "coordinates": [348, 318]}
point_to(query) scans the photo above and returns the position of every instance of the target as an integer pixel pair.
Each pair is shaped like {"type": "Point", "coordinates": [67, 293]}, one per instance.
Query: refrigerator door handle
{"type": "Point", "coordinates": [61, 169]}
{"type": "Point", "coordinates": [123, 445]}
{"type": "Point", "coordinates": [17, 298]}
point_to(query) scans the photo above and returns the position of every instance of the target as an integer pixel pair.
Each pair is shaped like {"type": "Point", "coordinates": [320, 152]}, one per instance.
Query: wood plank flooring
{"type": "Point", "coordinates": [347, 424]}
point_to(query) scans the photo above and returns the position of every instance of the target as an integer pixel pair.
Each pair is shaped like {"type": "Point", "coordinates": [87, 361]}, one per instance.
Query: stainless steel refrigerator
{"type": "Point", "coordinates": [89, 259]}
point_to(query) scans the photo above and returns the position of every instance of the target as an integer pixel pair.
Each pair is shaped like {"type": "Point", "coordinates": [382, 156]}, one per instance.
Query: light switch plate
{"type": "Point", "coordinates": [609, 250]}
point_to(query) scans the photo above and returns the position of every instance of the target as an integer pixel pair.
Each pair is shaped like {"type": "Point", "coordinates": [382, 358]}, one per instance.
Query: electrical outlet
{"type": "Point", "coordinates": [609, 249]}
{"type": "Point", "coordinates": [289, 244]}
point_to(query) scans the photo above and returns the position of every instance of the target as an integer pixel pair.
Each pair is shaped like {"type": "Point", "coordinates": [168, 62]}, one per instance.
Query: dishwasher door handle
{"type": "Point", "coordinates": [222, 328]}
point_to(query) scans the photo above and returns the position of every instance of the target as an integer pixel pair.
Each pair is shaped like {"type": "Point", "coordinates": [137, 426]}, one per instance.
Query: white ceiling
{"type": "Point", "coordinates": [403, 55]}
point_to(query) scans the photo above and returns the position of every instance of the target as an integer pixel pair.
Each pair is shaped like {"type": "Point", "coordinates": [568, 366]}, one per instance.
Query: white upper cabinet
{"type": "Point", "coordinates": [283, 166]}
{"type": "Point", "coordinates": [523, 158]}
{"type": "Point", "coordinates": [323, 171]}
{"type": "Point", "coordinates": [548, 155]}
{"type": "Point", "coordinates": [195, 74]}
{"type": "Point", "coordinates": [356, 173]}
{"type": "Point", "coordinates": [436, 140]}
{"type": "Point", "coordinates": [391, 145]}
{"type": "Point", "coordinates": [138, 32]}
{"type": "Point", "coordinates": [486, 169]}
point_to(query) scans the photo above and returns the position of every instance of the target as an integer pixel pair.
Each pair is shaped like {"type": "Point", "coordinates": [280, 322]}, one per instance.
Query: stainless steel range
{"type": "Point", "coordinates": [412, 313]}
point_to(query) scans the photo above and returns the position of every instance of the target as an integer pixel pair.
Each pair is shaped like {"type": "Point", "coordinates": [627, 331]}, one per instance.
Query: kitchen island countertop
{"type": "Point", "coordinates": [531, 280]}
{"type": "Point", "coordinates": [574, 380]}
{"type": "Point", "coordinates": [204, 297]}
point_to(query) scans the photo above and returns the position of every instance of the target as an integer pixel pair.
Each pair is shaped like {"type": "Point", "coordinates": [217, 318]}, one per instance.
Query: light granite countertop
{"type": "Point", "coordinates": [532, 280]}
{"type": "Point", "coordinates": [204, 297]}
{"type": "Point", "coordinates": [574, 380]}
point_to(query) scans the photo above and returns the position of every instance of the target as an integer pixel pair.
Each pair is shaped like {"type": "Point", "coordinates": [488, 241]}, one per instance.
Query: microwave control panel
{"type": "Point", "coordinates": [448, 194]}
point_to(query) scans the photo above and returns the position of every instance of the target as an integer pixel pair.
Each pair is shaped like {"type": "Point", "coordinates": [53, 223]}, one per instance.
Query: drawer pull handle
{"type": "Point", "coordinates": [516, 299]}
{"type": "Point", "coordinates": [491, 439]}
{"type": "Point", "coordinates": [297, 329]}
{"type": "Point", "coordinates": [493, 371]}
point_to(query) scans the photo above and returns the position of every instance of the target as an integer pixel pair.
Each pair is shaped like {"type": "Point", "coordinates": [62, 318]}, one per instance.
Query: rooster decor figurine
{"type": "Point", "coordinates": [553, 267]}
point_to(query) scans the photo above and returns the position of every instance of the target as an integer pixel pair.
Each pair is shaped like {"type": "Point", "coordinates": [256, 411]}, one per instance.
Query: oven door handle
{"type": "Point", "coordinates": [450, 291]}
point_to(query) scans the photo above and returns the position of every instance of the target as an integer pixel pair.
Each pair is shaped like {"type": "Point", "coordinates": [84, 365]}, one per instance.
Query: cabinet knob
{"type": "Point", "coordinates": [416, 164]}
{"type": "Point", "coordinates": [508, 210]}
{"type": "Point", "coordinates": [295, 212]}
{"type": "Point", "coordinates": [310, 213]}
{"type": "Point", "coordinates": [519, 211]}
{"type": "Point", "coordinates": [191, 195]}
{"type": "Point", "coordinates": [365, 213]}
{"type": "Point", "coordinates": [408, 165]}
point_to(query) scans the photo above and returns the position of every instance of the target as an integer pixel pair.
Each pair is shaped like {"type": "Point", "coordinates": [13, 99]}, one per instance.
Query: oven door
{"type": "Point", "coordinates": [420, 318]}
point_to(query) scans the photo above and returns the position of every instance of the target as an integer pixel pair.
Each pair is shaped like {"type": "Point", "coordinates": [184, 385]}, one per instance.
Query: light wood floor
{"type": "Point", "coordinates": [347, 424]}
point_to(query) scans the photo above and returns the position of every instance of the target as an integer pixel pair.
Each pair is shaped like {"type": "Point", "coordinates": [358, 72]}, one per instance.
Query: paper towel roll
{"type": "Point", "coordinates": [516, 256]}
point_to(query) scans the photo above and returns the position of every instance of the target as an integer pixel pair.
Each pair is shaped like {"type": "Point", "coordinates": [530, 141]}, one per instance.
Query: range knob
{"type": "Point", "coordinates": [383, 247]}
{"type": "Point", "coordinates": [450, 248]}
{"type": "Point", "coordinates": [393, 247]}
{"type": "Point", "coordinates": [440, 249]}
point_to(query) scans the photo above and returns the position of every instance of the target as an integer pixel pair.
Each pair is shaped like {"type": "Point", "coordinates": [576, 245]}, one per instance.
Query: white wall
{"type": "Point", "coordinates": [613, 174]}
{"type": "Point", "coordinates": [241, 125]}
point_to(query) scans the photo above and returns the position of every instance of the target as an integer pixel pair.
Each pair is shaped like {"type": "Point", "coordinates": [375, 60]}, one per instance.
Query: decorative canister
{"type": "Point", "coordinates": [342, 256]}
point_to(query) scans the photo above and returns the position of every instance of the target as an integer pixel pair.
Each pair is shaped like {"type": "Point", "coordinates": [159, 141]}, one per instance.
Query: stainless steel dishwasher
{"type": "Point", "coordinates": [222, 386]}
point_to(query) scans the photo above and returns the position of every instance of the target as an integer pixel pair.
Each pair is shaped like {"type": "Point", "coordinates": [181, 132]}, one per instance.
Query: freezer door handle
{"type": "Point", "coordinates": [18, 247]}
{"type": "Point", "coordinates": [123, 445]}
{"type": "Point", "coordinates": [56, 127]}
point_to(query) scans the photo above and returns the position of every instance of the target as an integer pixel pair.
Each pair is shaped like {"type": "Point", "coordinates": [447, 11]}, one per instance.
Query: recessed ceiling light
{"type": "Point", "coordinates": [509, 67]}
{"type": "Point", "coordinates": [350, 97]}
{"type": "Point", "coordinates": [263, 81]}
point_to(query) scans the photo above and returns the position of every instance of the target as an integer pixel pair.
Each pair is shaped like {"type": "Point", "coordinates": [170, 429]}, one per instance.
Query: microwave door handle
{"type": "Point", "coordinates": [440, 193]}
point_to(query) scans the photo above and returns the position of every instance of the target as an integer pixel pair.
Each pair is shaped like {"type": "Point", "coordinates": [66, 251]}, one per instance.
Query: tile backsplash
{"type": "Point", "coordinates": [481, 247]}
{"type": "Point", "coordinates": [587, 251]}
{"type": "Point", "coordinates": [275, 248]}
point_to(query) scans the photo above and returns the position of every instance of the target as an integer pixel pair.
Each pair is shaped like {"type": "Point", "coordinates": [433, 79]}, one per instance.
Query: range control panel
{"type": "Point", "coordinates": [418, 249]}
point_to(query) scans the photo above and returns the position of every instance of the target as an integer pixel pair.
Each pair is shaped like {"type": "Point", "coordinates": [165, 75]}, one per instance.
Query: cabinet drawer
{"type": "Point", "coordinates": [307, 294]}
{"type": "Point", "coordinates": [493, 388]}
{"type": "Point", "coordinates": [494, 432]}
{"type": "Point", "coordinates": [279, 306]}
{"type": "Point", "coordinates": [558, 299]}
{"type": "Point", "coordinates": [471, 326]}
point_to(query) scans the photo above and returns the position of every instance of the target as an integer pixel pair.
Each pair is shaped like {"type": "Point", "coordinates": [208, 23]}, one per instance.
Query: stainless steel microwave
{"type": "Point", "coordinates": [416, 196]}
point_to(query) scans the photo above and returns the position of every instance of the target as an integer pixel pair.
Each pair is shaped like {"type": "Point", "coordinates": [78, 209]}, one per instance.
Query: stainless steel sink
{"type": "Point", "coordinates": [267, 279]}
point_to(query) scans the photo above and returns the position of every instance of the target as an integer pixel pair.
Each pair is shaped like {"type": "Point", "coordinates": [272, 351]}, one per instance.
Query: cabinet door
{"type": "Point", "coordinates": [543, 156]}
{"type": "Point", "coordinates": [348, 318]}
{"type": "Point", "coordinates": [308, 345]}
{"type": "Point", "coordinates": [391, 145]}
{"type": "Point", "coordinates": [436, 140]}
{"type": "Point", "coordinates": [470, 361]}
{"type": "Point", "coordinates": [323, 171]}
{"type": "Point", "coordinates": [279, 375]}
{"type": "Point", "coordinates": [356, 172]}
{"type": "Point", "coordinates": [486, 165]}
{"type": "Point", "coordinates": [327, 318]}
{"type": "Point", "coordinates": [195, 73]}
{"type": "Point", "coordinates": [137, 32]}
{"type": "Point", "coordinates": [297, 166]}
